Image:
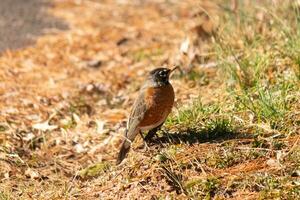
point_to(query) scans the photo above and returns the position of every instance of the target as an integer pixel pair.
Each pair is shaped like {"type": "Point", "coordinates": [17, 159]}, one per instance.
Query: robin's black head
{"type": "Point", "coordinates": [160, 76]}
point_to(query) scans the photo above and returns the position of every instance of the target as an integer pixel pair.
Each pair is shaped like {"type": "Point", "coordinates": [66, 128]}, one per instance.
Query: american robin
{"type": "Point", "coordinates": [150, 109]}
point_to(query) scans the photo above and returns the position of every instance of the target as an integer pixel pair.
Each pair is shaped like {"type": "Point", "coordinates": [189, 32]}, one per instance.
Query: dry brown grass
{"type": "Point", "coordinates": [79, 84]}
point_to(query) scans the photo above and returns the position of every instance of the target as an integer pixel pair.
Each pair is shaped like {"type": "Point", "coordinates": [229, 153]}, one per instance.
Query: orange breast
{"type": "Point", "coordinates": [159, 101]}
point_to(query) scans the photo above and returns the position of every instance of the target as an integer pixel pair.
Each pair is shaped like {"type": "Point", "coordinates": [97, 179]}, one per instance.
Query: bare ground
{"type": "Point", "coordinates": [22, 21]}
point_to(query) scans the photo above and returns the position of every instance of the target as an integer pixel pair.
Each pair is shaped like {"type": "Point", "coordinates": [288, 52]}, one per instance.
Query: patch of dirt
{"type": "Point", "coordinates": [21, 22]}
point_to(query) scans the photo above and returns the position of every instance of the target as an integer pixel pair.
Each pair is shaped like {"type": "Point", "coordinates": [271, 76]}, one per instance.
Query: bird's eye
{"type": "Point", "coordinates": [162, 73]}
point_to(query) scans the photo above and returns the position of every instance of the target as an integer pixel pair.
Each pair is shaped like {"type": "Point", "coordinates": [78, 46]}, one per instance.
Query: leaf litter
{"type": "Point", "coordinates": [89, 76]}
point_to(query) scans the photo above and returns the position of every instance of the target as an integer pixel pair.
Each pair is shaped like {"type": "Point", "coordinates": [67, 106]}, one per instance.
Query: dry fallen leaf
{"type": "Point", "coordinates": [44, 126]}
{"type": "Point", "coordinates": [79, 148]}
{"type": "Point", "coordinates": [184, 47]}
{"type": "Point", "coordinates": [30, 173]}
{"type": "Point", "coordinates": [28, 137]}
{"type": "Point", "coordinates": [273, 163]}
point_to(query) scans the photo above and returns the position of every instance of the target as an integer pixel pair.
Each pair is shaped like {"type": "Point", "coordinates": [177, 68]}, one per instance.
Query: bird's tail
{"type": "Point", "coordinates": [124, 150]}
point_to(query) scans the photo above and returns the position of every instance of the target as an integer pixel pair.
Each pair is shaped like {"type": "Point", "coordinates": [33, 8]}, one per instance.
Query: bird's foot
{"type": "Point", "coordinates": [146, 147]}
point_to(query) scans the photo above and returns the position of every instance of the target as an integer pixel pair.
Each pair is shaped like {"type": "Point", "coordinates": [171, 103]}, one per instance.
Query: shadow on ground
{"type": "Point", "coordinates": [192, 136]}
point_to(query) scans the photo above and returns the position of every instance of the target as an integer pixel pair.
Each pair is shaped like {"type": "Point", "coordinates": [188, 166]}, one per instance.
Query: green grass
{"type": "Point", "coordinates": [202, 188]}
{"type": "Point", "coordinates": [260, 99]}
{"type": "Point", "coordinates": [193, 114]}
{"type": "Point", "coordinates": [94, 170]}
{"type": "Point", "coordinates": [262, 80]}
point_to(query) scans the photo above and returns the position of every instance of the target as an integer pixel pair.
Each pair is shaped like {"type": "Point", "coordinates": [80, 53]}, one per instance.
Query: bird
{"type": "Point", "coordinates": [150, 109]}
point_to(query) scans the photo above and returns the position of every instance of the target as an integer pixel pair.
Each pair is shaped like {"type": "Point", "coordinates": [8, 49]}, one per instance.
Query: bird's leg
{"type": "Point", "coordinates": [145, 143]}
{"type": "Point", "coordinates": [152, 132]}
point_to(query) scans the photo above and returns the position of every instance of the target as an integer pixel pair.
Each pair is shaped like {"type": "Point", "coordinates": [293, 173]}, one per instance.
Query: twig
{"type": "Point", "coordinates": [251, 148]}
{"type": "Point", "coordinates": [295, 145]}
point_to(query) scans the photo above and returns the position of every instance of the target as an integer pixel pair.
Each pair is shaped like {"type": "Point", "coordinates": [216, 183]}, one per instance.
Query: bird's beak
{"type": "Point", "coordinates": [171, 70]}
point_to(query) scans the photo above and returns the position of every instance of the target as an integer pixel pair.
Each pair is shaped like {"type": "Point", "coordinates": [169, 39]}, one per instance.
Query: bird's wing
{"type": "Point", "coordinates": [137, 114]}
{"type": "Point", "coordinates": [138, 111]}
